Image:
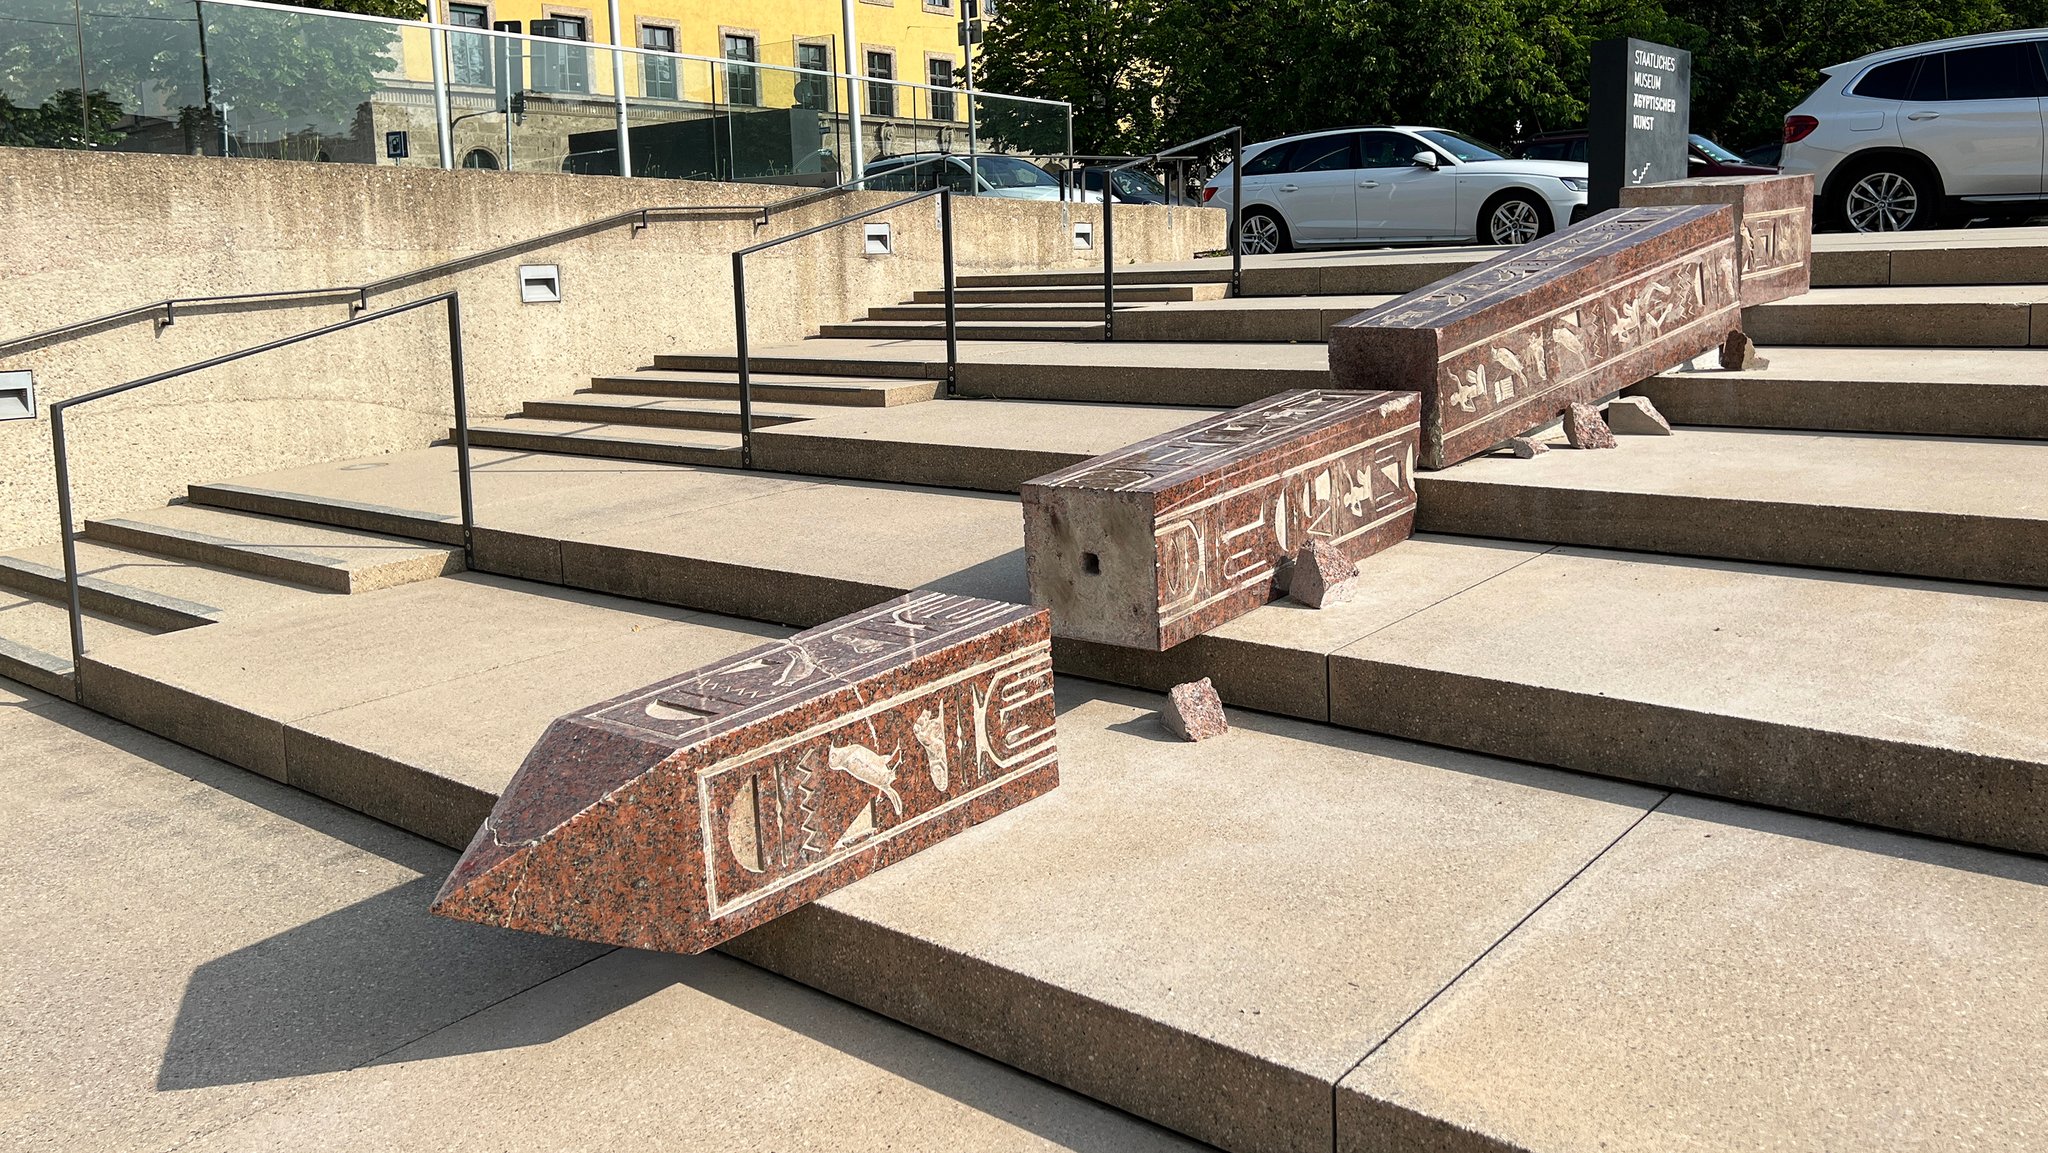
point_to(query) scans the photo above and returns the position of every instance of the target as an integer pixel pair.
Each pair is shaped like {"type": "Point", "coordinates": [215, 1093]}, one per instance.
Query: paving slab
{"type": "Point", "coordinates": [1730, 978]}
{"type": "Point", "coordinates": [992, 445]}
{"type": "Point", "coordinates": [1908, 704]}
{"type": "Point", "coordinates": [702, 1053]}
{"type": "Point", "coordinates": [1913, 505]}
{"type": "Point", "coordinates": [183, 942]}
{"type": "Point", "coordinates": [1996, 392]}
{"type": "Point", "coordinates": [1206, 935]}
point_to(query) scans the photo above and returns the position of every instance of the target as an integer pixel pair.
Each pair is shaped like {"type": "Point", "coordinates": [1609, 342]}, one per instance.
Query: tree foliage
{"type": "Point", "coordinates": [1144, 74]}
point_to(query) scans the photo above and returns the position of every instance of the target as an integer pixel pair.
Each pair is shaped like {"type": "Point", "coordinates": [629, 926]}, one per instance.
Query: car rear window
{"type": "Point", "coordinates": [1272, 160]}
{"type": "Point", "coordinates": [1891, 81]}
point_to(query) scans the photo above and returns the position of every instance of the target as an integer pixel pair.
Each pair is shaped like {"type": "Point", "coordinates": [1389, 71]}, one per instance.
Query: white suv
{"type": "Point", "coordinates": [1359, 185]}
{"type": "Point", "coordinates": [1910, 137]}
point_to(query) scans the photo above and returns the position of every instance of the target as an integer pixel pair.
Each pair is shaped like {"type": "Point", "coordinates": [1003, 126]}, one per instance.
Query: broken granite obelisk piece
{"type": "Point", "coordinates": [1773, 226]}
{"type": "Point", "coordinates": [1168, 538]}
{"type": "Point", "coordinates": [1506, 345]}
{"type": "Point", "coordinates": [1584, 428]}
{"type": "Point", "coordinates": [1322, 575]}
{"type": "Point", "coordinates": [682, 814]}
{"type": "Point", "coordinates": [1194, 712]}
{"type": "Point", "coordinates": [1738, 353]}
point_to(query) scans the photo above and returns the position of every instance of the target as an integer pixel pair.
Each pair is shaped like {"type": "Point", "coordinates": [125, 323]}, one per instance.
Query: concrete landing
{"type": "Point", "coordinates": [1919, 506]}
{"type": "Point", "coordinates": [991, 445]}
{"type": "Point", "coordinates": [267, 977]}
{"type": "Point", "coordinates": [1909, 704]}
{"type": "Point", "coordinates": [1948, 392]}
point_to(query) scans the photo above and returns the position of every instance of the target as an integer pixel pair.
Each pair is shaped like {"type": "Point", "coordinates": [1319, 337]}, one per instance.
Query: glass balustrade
{"type": "Point", "coordinates": [235, 78]}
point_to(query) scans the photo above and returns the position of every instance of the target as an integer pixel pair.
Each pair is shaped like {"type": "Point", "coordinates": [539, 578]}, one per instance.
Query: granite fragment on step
{"type": "Point", "coordinates": [1194, 712]}
{"type": "Point", "coordinates": [1323, 575]}
{"type": "Point", "coordinates": [1525, 447]}
{"type": "Point", "coordinates": [1738, 353]}
{"type": "Point", "coordinates": [1584, 428]}
{"type": "Point", "coordinates": [680, 815]}
{"type": "Point", "coordinates": [1636, 416]}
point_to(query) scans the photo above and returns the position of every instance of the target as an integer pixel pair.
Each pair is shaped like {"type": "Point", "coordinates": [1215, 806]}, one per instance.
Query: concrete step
{"type": "Point", "coordinates": [857, 388]}
{"type": "Point", "coordinates": [43, 576]}
{"type": "Point", "coordinates": [1184, 272]}
{"type": "Point", "coordinates": [965, 330]}
{"type": "Point", "coordinates": [667, 412]}
{"type": "Point", "coordinates": [1224, 938]}
{"type": "Point", "coordinates": [35, 640]}
{"type": "Point", "coordinates": [974, 314]}
{"type": "Point", "coordinates": [1129, 294]}
{"type": "Point", "coordinates": [628, 440]}
{"type": "Point", "coordinates": [1996, 392]}
{"type": "Point", "coordinates": [328, 558]}
{"type": "Point", "coordinates": [1916, 506]}
{"type": "Point", "coordinates": [1896, 702]}
{"type": "Point", "coordinates": [1943, 317]}
{"type": "Point", "coordinates": [1133, 372]}
{"type": "Point", "coordinates": [990, 445]}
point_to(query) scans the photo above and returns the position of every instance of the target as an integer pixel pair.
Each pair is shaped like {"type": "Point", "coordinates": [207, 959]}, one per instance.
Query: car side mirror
{"type": "Point", "coordinates": [1427, 159]}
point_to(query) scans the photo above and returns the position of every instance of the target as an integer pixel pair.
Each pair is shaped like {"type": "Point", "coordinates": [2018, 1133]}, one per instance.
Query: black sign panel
{"type": "Point", "coordinates": [396, 146]}
{"type": "Point", "coordinates": [1640, 118]}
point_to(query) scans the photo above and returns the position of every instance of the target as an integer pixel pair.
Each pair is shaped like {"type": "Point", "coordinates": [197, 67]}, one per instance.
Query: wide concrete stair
{"type": "Point", "coordinates": [1687, 795]}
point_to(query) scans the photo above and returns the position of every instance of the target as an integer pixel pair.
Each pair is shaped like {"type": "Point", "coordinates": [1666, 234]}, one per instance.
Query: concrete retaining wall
{"type": "Point", "coordinates": [82, 235]}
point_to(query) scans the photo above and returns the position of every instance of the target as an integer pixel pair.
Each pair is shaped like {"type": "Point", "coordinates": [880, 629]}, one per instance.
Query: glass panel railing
{"type": "Point", "coordinates": [40, 95]}
{"type": "Point", "coordinates": [239, 78]}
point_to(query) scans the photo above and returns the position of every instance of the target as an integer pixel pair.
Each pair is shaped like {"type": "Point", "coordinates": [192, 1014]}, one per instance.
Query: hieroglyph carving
{"type": "Point", "coordinates": [1775, 243]}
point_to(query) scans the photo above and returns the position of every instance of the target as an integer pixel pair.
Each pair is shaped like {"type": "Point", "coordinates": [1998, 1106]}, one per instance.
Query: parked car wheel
{"type": "Point", "coordinates": [1889, 194]}
{"type": "Point", "coordinates": [1513, 218]}
{"type": "Point", "coordinates": [1262, 231]}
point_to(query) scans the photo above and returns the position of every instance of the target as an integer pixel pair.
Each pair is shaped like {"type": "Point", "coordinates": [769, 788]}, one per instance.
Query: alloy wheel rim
{"type": "Point", "coordinates": [1261, 235]}
{"type": "Point", "coordinates": [1514, 222]}
{"type": "Point", "coordinates": [1883, 202]}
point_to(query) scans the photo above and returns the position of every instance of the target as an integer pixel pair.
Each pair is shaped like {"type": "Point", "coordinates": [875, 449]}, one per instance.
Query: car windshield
{"type": "Point", "coordinates": [1137, 184]}
{"type": "Point", "coordinates": [1713, 151]}
{"type": "Point", "coordinates": [1460, 147]}
{"type": "Point", "coordinates": [1010, 172]}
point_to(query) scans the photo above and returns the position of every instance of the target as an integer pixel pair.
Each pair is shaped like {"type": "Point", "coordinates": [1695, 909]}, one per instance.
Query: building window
{"type": "Point", "coordinates": [469, 57]}
{"type": "Point", "coordinates": [481, 158]}
{"type": "Point", "coordinates": [742, 84]}
{"type": "Point", "coordinates": [940, 76]}
{"type": "Point", "coordinates": [561, 67]}
{"type": "Point", "coordinates": [657, 73]}
{"type": "Point", "coordinates": [881, 86]}
{"type": "Point", "coordinates": [814, 92]}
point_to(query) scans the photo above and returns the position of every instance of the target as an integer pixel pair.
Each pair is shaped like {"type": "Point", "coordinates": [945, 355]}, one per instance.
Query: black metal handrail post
{"type": "Point", "coordinates": [1236, 134]}
{"type": "Point", "coordinates": [60, 445]}
{"type": "Point", "coordinates": [739, 302]}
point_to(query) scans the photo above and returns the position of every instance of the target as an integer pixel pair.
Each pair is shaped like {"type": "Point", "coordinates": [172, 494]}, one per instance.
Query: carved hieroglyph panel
{"type": "Point", "coordinates": [1523, 365]}
{"type": "Point", "coordinates": [1776, 242]}
{"type": "Point", "coordinates": [1234, 539]}
{"type": "Point", "coordinates": [805, 802]}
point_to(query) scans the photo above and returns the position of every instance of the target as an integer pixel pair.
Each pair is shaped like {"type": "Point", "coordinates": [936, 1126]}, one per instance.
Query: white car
{"type": "Point", "coordinates": [1399, 184]}
{"type": "Point", "coordinates": [1003, 177]}
{"type": "Point", "coordinates": [1908, 137]}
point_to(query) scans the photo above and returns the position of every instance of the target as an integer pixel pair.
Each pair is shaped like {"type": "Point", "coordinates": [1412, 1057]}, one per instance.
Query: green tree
{"type": "Point", "coordinates": [1090, 53]}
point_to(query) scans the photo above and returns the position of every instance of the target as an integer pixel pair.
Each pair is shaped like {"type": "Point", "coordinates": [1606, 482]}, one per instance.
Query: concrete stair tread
{"type": "Point", "coordinates": [991, 445]}
{"type": "Point", "coordinates": [639, 441]}
{"type": "Point", "coordinates": [155, 591]}
{"type": "Point", "coordinates": [1328, 893]}
{"type": "Point", "coordinates": [1923, 506]}
{"type": "Point", "coordinates": [1917, 295]}
{"type": "Point", "coordinates": [1997, 392]}
{"type": "Point", "coordinates": [614, 406]}
{"type": "Point", "coordinates": [318, 556]}
{"type": "Point", "coordinates": [967, 329]}
{"type": "Point", "coordinates": [1056, 294]}
{"type": "Point", "coordinates": [35, 640]}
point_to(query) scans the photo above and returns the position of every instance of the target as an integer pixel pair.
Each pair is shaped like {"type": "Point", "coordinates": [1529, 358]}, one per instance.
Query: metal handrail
{"type": "Point", "coordinates": [1236, 134]}
{"type": "Point", "coordinates": [739, 302]}
{"type": "Point", "coordinates": [58, 443]}
{"type": "Point", "coordinates": [642, 218]}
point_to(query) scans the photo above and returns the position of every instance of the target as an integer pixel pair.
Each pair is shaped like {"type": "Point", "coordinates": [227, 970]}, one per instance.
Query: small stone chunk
{"type": "Point", "coordinates": [1584, 428]}
{"type": "Point", "coordinates": [1525, 447]}
{"type": "Point", "coordinates": [1194, 712]}
{"type": "Point", "coordinates": [1738, 353]}
{"type": "Point", "coordinates": [1323, 575]}
{"type": "Point", "coordinates": [1636, 416]}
